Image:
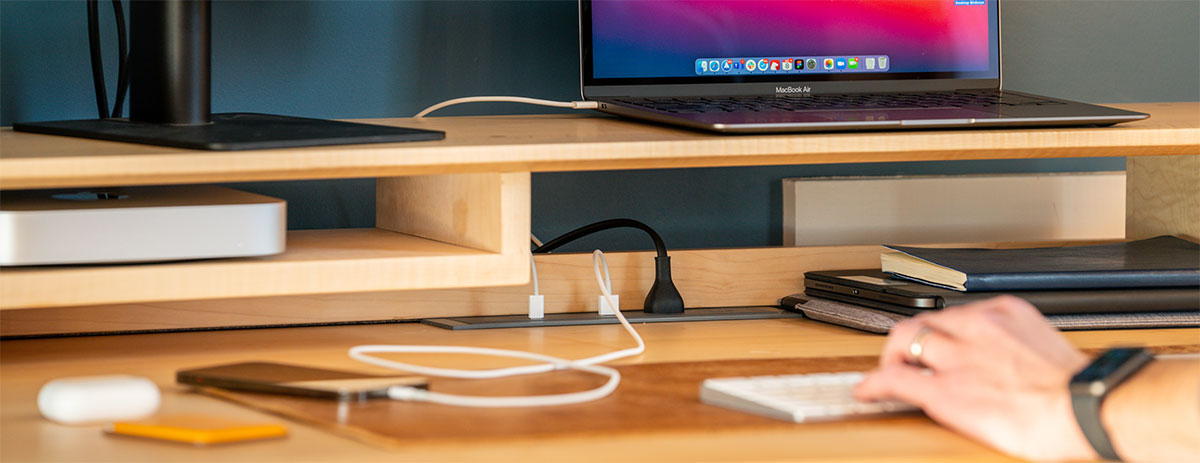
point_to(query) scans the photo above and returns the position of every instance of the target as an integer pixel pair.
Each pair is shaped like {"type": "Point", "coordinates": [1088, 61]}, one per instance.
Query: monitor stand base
{"type": "Point", "coordinates": [234, 131]}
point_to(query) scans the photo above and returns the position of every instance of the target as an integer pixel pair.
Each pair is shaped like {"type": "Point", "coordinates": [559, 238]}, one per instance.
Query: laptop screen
{"type": "Point", "coordinates": [714, 41]}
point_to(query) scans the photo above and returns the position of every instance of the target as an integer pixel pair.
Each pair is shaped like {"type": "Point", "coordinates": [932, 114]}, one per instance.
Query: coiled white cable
{"type": "Point", "coordinates": [363, 354]}
{"type": "Point", "coordinates": [508, 99]}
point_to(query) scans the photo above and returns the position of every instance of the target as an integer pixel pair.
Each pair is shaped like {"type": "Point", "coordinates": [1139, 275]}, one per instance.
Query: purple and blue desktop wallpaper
{"type": "Point", "coordinates": [663, 38]}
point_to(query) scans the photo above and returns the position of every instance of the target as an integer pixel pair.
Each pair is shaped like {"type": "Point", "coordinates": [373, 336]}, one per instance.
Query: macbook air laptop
{"type": "Point", "coordinates": [747, 66]}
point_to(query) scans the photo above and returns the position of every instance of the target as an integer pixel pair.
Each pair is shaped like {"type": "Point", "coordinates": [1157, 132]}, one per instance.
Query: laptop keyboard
{"type": "Point", "coordinates": [692, 105]}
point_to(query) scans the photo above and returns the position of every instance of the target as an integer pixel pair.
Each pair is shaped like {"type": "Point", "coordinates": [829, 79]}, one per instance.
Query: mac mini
{"type": "Point", "coordinates": [138, 224]}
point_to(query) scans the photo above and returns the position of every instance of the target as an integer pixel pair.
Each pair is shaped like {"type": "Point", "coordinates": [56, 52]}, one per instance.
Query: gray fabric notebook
{"type": "Point", "coordinates": [880, 321]}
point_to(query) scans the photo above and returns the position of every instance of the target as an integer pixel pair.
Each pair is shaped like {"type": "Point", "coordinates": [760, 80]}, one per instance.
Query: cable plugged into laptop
{"type": "Point", "coordinates": [663, 297]}
{"type": "Point", "coordinates": [508, 99]}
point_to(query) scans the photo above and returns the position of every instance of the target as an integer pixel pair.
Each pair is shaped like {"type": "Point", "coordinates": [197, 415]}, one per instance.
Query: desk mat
{"type": "Point", "coordinates": [651, 398]}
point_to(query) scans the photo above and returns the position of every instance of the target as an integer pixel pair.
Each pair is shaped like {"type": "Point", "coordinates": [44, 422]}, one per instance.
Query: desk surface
{"type": "Point", "coordinates": [26, 364]}
{"type": "Point", "coordinates": [572, 142]}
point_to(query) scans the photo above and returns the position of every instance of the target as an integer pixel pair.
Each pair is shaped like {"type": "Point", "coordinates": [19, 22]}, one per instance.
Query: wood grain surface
{"type": "Point", "coordinates": [705, 278]}
{"type": "Point", "coordinates": [1162, 197]}
{"type": "Point", "coordinates": [444, 231]}
{"type": "Point", "coordinates": [660, 397]}
{"type": "Point", "coordinates": [27, 364]}
{"type": "Point", "coordinates": [571, 142]}
{"type": "Point", "coordinates": [316, 261]}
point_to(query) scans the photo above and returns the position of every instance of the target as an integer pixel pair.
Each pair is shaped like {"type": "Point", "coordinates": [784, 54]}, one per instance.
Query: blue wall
{"type": "Point", "coordinates": [359, 59]}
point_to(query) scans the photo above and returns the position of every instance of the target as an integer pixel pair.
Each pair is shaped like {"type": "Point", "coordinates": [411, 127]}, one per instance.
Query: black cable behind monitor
{"type": "Point", "coordinates": [122, 59]}
{"type": "Point", "coordinates": [93, 12]}
{"type": "Point", "coordinates": [93, 9]}
{"type": "Point", "coordinates": [168, 80]}
{"type": "Point", "coordinates": [662, 298]}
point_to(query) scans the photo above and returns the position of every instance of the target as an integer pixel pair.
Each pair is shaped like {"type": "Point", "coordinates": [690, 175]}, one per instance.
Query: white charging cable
{"type": "Point", "coordinates": [364, 354]}
{"type": "Point", "coordinates": [537, 302]}
{"type": "Point", "coordinates": [607, 304]}
{"type": "Point", "coordinates": [508, 99]}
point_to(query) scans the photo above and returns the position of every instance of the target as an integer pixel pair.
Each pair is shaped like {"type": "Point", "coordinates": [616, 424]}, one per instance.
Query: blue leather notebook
{"type": "Point", "coordinates": [1164, 261]}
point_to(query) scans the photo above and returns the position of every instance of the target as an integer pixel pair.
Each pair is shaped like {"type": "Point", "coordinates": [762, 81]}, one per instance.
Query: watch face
{"type": "Point", "coordinates": [1106, 364]}
{"type": "Point", "coordinates": [1109, 370]}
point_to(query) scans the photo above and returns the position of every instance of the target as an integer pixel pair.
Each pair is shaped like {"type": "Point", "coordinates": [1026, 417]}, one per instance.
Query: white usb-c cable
{"type": "Point", "coordinates": [537, 302]}
{"type": "Point", "coordinates": [365, 354]}
{"type": "Point", "coordinates": [508, 99]}
{"type": "Point", "coordinates": [607, 304]}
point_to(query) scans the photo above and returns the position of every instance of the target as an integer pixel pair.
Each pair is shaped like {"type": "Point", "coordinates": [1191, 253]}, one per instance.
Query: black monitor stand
{"type": "Point", "coordinates": [169, 96]}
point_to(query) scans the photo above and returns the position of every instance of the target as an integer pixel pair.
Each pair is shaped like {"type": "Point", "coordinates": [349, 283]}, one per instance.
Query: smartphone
{"type": "Point", "coordinates": [875, 285]}
{"type": "Point", "coordinates": [281, 378]}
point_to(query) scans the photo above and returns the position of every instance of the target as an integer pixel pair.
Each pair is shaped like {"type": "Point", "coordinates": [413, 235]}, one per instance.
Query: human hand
{"type": "Point", "coordinates": [997, 372]}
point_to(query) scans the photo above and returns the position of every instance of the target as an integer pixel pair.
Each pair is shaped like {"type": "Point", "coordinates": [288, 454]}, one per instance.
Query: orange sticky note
{"type": "Point", "coordinates": [197, 429]}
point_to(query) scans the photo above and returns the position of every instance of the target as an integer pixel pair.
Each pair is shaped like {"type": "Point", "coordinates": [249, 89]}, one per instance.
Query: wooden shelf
{"type": "Point", "coordinates": [316, 261]}
{"type": "Point", "coordinates": [440, 231]}
{"type": "Point", "coordinates": [570, 142]}
{"type": "Point", "coordinates": [461, 205]}
{"type": "Point", "coordinates": [705, 278]}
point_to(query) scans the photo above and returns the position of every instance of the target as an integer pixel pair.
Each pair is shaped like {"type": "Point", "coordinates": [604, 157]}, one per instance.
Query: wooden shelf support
{"type": "Point", "coordinates": [1162, 196]}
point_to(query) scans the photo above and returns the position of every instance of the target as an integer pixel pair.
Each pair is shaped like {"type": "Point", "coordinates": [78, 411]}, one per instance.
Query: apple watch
{"type": "Point", "coordinates": [1090, 386]}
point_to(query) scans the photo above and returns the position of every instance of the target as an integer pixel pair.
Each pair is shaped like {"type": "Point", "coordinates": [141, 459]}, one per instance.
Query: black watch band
{"type": "Point", "coordinates": [1092, 385]}
{"type": "Point", "coordinates": [1087, 414]}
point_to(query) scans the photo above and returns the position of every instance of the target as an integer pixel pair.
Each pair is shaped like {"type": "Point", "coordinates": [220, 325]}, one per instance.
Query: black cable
{"type": "Point", "coordinates": [97, 63]}
{"type": "Point", "coordinates": [662, 298]}
{"type": "Point", "coordinates": [600, 226]}
{"type": "Point", "coordinates": [122, 59]}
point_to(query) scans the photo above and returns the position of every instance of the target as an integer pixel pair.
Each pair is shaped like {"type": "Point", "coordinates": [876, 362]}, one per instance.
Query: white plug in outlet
{"type": "Point", "coordinates": [605, 308]}
{"type": "Point", "coordinates": [537, 307]}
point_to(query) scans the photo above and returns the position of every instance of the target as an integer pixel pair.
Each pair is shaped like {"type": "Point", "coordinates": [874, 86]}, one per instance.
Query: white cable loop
{"type": "Point", "coordinates": [362, 354]}
{"type": "Point", "coordinates": [606, 285]}
{"type": "Point", "coordinates": [550, 363]}
{"type": "Point", "coordinates": [508, 99]}
{"type": "Point", "coordinates": [416, 394]}
{"type": "Point", "coordinates": [606, 290]}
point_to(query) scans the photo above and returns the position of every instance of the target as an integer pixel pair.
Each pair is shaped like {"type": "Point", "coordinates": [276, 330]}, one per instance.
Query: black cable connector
{"type": "Point", "coordinates": [662, 298]}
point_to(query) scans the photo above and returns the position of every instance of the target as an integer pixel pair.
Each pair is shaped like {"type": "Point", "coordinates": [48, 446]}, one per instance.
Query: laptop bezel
{"type": "Point", "coordinates": [773, 87]}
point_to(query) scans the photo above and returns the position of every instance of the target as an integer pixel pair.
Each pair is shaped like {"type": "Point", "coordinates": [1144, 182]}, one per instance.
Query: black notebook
{"type": "Point", "coordinates": [1164, 261]}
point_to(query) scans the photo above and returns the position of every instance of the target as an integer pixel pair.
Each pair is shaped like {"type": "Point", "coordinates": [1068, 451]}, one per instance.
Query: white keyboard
{"type": "Point", "coordinates": [799, 398]}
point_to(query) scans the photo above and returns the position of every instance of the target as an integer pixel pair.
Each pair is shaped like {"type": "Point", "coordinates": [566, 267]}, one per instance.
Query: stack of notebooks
{"type": "Point", "coordinates": [1151, 283]}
